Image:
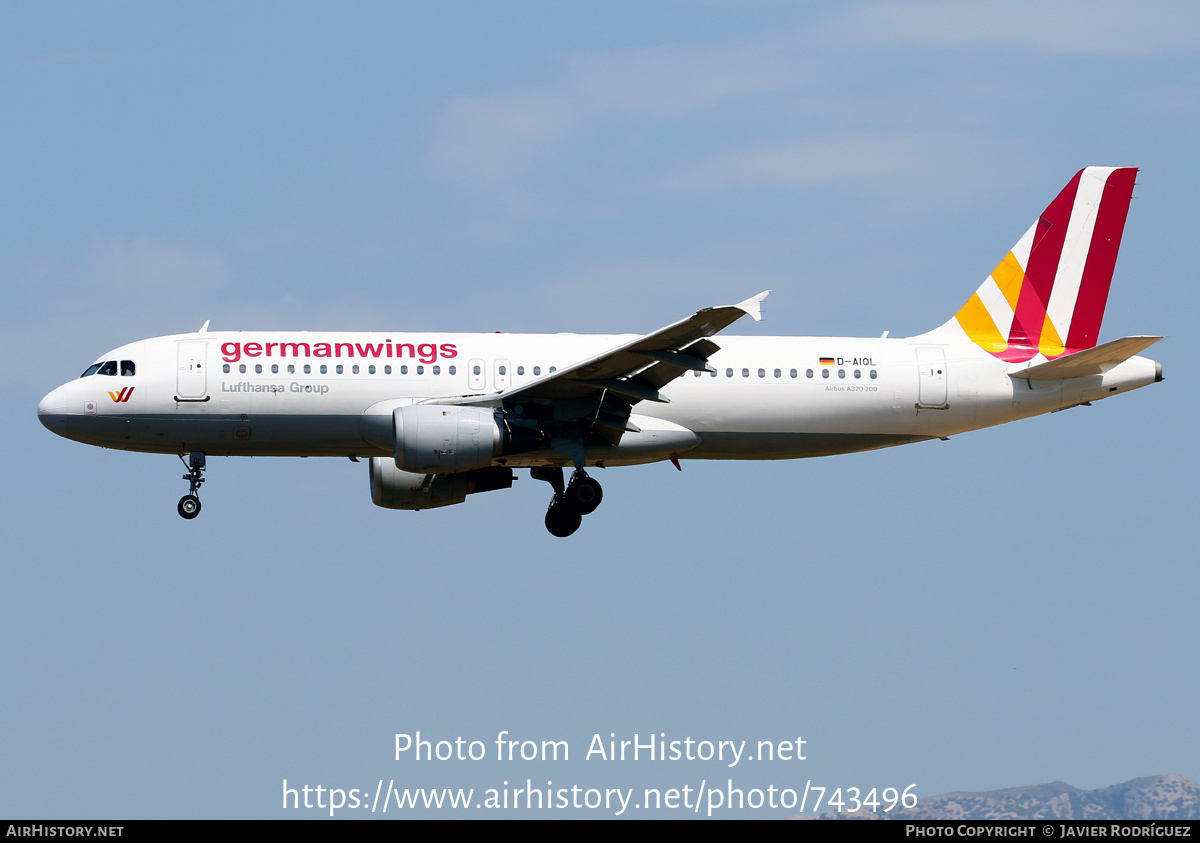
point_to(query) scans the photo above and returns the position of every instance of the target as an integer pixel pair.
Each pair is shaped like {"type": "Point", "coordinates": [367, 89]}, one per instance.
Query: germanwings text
{"type": "Point", "coordinates": [425, 352]}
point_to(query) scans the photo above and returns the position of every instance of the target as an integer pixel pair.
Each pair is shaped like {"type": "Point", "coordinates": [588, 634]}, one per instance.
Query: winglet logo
{"type": "Point", "coordinates": [122, 396]}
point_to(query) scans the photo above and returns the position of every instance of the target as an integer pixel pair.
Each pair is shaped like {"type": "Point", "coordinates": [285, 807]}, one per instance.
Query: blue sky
{"type": "Point", "coordinates": [1011, 607]}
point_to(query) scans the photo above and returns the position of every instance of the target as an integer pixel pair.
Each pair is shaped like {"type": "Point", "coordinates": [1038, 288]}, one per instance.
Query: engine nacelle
{"type": "Point", "coordinates": [445, 439]}
{"type": "Point", "coordinates": [450, 439]}
{"type": "Point", "coordinates": [396, 489]}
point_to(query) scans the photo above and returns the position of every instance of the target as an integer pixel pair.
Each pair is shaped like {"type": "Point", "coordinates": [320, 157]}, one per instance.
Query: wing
{"type": "Point", "coordinates": [604, 388]}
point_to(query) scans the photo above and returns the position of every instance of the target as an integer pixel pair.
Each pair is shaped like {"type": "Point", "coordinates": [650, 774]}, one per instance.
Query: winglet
{"type": "Point", "coordinates": [204, 327]}
{"type": "Point", "coordinates": [753, 305]}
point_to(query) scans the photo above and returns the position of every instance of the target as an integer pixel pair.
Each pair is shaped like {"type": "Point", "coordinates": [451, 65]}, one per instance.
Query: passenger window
{"type": "Point", "coordinates": [274, 368]}
{"type": "Point", "coordinates": [339, 368]}
{"type": "Point", "coordinates": [242, 368]}
{"type": "Point", "coordinates": [537, 370]}
{"type": "Point", "coordinates": [808, 373]}
{"type": "Point", "coordinates": [258, 368]}
{"type": "Point", "coordinates": [387, 370]}
{"type": "Point", "coordinates": [420, 370]}
{"type": "Point", "coordinates": [371, 369]}
{"type": "Point", "coordinates": [793, 373]}
{"type": "Point", "coordinates": [451, 370]}
{"type": "Point", "coordinates": [477, 370]}
{"type": "Point", "coordinates": [858, 373]}
{"type": "Point", "coordinates": [824, 373]}
{"type": "Point", "coordinates": [729, 373]}
{"type": "Point", "coordinates": [780, 374]}
{"type": "Point", "coordinates": [696, 373]}
{"type": "Point", "coordinates": [354, 369]}
{"type": "Point", "coordinates": [291, 369]}
{"type": "Point", "coordinates": [404, 370]}
{"type": "Point", "coordinates": [503, 370]}
{"type": "Point", "coordinates": [324, 369]}
{"type": "Point", "coordinates": [520, 370]}
{"type": "Point", "coordinates": [307, 369]}
{"type": "Point", "coordinates": [225, 368]}
{"type": "Point", "coordinates": [762, 373]}
{"type": "Point", "coordinates": [553, 369]}
{"type": "Point", "coordinates": [108, 368]}
{"type": "Point", "coordinates": [127, 368]}
{"type": "Point", "coordinates": [437, 370]}
{"type": "Point", "coordinates": [841, 373]}
{"type": "Point", "coordinates": [873, 374]}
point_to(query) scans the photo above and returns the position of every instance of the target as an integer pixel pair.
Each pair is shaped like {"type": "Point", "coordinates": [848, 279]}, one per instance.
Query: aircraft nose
{"type": "Point", "coordinates": [52, 411]}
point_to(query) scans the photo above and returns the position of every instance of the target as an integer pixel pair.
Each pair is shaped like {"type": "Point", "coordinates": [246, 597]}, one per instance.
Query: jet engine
{"type": "Point", "coordinates": [450, 439]}
{"type": "Point", "coordinates": [396, 489]}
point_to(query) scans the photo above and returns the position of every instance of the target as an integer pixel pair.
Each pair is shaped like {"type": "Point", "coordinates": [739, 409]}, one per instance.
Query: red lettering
{"type": "Point", "coordinates": [426, 352]}
{"type": "Point", "coordinates": [295, 347]}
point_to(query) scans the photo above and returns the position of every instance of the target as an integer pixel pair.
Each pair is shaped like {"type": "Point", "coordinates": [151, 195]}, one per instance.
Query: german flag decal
{"type": "Point", "coordinates": [826, 361]}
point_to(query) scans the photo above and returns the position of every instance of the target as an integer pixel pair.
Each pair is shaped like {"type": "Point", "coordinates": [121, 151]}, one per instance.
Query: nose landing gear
{"type": "Point", "coordinates": [569, 504]}
{"type": "Point", "coordinates": [189, 504]}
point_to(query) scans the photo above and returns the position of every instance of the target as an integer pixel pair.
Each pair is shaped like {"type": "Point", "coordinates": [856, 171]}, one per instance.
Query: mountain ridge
{"type": "Point", "coordinates": [1168, 797]}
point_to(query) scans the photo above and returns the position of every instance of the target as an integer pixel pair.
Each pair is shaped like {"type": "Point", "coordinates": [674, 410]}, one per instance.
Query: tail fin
{"type": "Point", "coordinates": [1048, 294]}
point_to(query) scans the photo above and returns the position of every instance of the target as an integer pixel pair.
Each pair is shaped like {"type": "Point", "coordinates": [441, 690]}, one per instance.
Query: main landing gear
{"type": "Point", "coordinates": [189, 504]}
{"type": "Point", "coordinates": [568, 506]}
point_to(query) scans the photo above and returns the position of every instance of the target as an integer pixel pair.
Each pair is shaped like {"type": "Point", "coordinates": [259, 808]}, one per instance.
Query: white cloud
{"type": "Point", "coordinates": [1084, 26]}
{"type": "Point", "coordinates": [491, 137]}
{"type": "Point", "coordinates": [899, 159]}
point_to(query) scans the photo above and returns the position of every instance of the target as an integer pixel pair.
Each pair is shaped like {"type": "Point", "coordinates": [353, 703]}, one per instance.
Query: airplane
{"type": "Point", "coordinates": [442, 416]}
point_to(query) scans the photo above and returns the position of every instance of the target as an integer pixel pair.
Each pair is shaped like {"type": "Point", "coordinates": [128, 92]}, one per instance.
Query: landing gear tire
{"type": "Point", "coordinates": [189, 507]}
{"type": "Point", "coordinates": [584, 495]}
{"type": "Point", "coordinates": [189, 504]}
{"type": "Point", "coordinates": [562, 520]}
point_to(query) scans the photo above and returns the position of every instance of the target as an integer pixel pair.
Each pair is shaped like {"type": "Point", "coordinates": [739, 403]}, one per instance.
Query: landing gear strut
{"type": "Point", "coordinates": [189, 504]}
{"type": "Point", "coordinates": [570, 503]}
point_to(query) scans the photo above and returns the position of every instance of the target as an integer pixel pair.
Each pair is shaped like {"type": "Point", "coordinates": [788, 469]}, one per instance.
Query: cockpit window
{"type": "Point", "coordinates": [109, 368]}
{"type": "Point", "coordinates": [128, 368]}
{"type": "Point", "coordinates": [91, 370]}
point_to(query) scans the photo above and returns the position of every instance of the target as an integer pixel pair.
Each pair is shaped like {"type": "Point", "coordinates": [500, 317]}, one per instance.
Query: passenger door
{"type": "Point", "coordinates": [192, 378]}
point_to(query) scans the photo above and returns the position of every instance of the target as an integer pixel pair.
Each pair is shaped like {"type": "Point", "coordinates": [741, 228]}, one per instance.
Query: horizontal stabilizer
{"type": "Point", "coordinates": [1093, 361]}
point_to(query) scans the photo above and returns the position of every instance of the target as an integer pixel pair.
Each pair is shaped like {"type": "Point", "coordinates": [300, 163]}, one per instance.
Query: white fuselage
{"type": "Point", "coordinates": [333, 394]}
